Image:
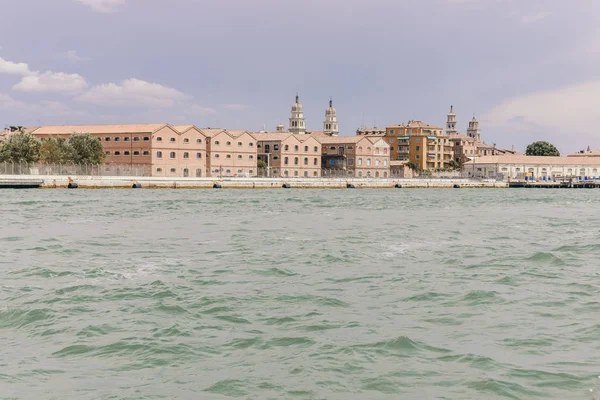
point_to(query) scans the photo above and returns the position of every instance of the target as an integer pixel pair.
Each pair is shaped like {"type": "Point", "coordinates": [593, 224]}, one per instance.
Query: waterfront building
{"type": "Point", "coordinates": [421, 144]}
{"type": "Point", "coordinates": [330, 125]}
{"type": "Point", "coordinates": [156, 146]}
{"type": "Point", "coordinates": [354, 156]}
{"type": "Point", "coordinates": [464, 148]}
{"type": "Point", "coordinates": [230, 153]}
{"type": "Point", "coordinates": [297, 122]}
{"type": "Point", "coordinates": [535, 167]}
{"type": "Point", "coordinates": [289, 155]}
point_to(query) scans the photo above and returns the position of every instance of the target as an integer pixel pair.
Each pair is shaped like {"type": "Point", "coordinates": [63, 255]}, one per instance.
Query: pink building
{"type": "Point", "coordinates": [231, 153]}
{"type": "Point", "coordinates": [289, 155]}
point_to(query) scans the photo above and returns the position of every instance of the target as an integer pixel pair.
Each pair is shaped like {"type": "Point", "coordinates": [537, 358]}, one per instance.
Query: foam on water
{"type": "Point", "coordinates": [306, 294]}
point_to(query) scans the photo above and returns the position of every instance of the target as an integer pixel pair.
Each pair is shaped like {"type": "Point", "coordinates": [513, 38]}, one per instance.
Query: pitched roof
{"type": "Point", "coordinates": [326, 139]}
{"type": "Point", "coordinates": [271, 136]}
{"type": "Point", "coordinates": [182, 128]}
{"type": "Point", "coordinates": [536, 160]}
{"type": "Point", "coordinates": [236, 133]}
{"type": "Point", "coordinates": [210, 132]}
{"type": "Point", "coordinates": [462, 137]}
{"type": "Point", "coordinates": [98, 129]}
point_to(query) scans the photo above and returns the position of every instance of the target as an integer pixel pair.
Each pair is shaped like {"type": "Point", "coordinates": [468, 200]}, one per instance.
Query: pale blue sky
{"type": "Point", "coordinates": [527, 68]}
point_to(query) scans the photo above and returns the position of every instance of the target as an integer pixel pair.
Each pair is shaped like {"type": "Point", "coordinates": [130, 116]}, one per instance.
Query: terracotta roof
{"type": "Point", "coordinates": [70, 129]}
{"type": "Point", "coordinates": [182, 128]}
{"type": "Point", "coordinates": [210, 132]}
{"type": "Point", "coordinates": [374, 139]}
{"type": "Point", "coordinates": [536, 160]}
{"type": "Point", "coordinates": [236, 133]}
{"type": "Point", "coordinates": [419, 124]}
{"type": "Point", "coordinates": [271, 136]}
{"type": "Point", "coordinates": [326, 139]}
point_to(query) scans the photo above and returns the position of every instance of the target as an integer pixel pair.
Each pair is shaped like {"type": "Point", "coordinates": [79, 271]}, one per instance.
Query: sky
{"type": "Point", "coordinates": [527, 69]}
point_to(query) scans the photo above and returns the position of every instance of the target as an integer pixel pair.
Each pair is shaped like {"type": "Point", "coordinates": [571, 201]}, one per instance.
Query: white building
{"type": "Point", "coordinates": [330, 125]}
{"type": "Point", "coordinates": [297, 123]}
{"type": "Point", "coordinates": [539, 168]}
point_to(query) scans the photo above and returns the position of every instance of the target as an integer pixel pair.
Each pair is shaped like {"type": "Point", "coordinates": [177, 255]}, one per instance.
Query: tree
{"type": "Point", "coordinates": [411, 165]}
{"type": "Point", "coordinates": [54, 151]}
{"type": "Point", "coordinates": [20, 148]}
{"type": "Point", "coordinates": [261, 164]}
{"type": "Point", "coordinates": [85, 149]}
{"type": "Point", "coordinates": [542, 149]}
{"type": "Point", "coordinates": [453, 165]}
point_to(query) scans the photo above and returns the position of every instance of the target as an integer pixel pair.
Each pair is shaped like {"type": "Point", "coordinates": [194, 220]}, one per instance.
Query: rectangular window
{"type": "Point", "coordinates": [275, 147]}
{"type": "Point", "coordinates": [158, 169]}
{"type": "Point", "coordinates": [146, 139]}
{"type": "Point", "coordinates": [173, 170]}
{"type": "Point", "coordinates": [117, 153]}
{"type": "Point", "coordinates": [146, 153]}
{"type": "Point", "coordinates": [186, 140]}
{"type": "Point", "coordinates": [186, 155]}
{"type": "Point", "coordinates": [108, 153]}
{"type": "Point", "coordinates": [251, 157]}
{"type": "Point", "coordinates": [136, 139]}
{"type": "Point", "coordinates": [172, 139]}
{"type": "Point", "coordinates": [107, 139]}
{"type": "Point", "coordinates": [136, 153]}
{"type": "Point", "coordinates": [126, 139]}
{"type": "Point", "coordinates": [418, 148]}
{"type": "Point", "coordinates": [158, 139]}
{"type": "Point", "coordinates": [117, 139]}
{"type": "Point", "coordinates": [126, 153]}
{"type": "Point", "coordinates": [198, 155]}
{"type": "Point", "coordinates": [159, 154]}
{"type": "Point", "coordinates": [172, 154]}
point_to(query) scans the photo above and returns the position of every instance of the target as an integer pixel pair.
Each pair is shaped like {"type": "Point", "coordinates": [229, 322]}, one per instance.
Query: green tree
{"type": "Point", "coordinates": [54, 151]}
{"type": "Point", "coordinates": [542, 149]}
{"type": "Point", "coordinates": [261, 164]}
{"type": "Point", "coordinates": [411, 165]}
{"type": "Point", "coordinates": [85, 149]}
{"type": "Point", "coordinates": [453, 165]}
{"type": "Point", "coordinates": [20, 148]}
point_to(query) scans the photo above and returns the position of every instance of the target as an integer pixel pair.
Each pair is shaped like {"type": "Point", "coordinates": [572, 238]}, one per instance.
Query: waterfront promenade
{"type": "Point", "coordinates": [100, 182]}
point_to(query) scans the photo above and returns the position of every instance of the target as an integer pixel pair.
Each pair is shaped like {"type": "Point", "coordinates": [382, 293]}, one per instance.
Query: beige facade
{"type": "Point", "coordinates": [179, 151]}
{"type": "Point", "coordinates": [289, 155]}
{"type": "Point", "coordinates": [231, 153]}
{"type": "Point", "coordinates": [359, 156]}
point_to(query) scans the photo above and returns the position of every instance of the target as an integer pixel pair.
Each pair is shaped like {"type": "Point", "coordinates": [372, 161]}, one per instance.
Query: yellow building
{"type": "Point", "coordinates": [422, 144]}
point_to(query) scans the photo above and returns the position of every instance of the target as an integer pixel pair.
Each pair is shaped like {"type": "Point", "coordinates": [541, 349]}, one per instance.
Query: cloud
{"type": "Point", "coordinates": [73, 57]}
{"type": "Point", "coordinates": [133, 93]}
{"type": "Point", "coordinates": [12, 68]}
{"type": "Point", "coordinates": [103, 6]}
{"type": "Point", "coordinates": [9, 103]}
{"type": "Point", "coordinates": [52, 82]}
{"type": "Point", "coordinates": [49, 109]}
{"type": "Point", "coordinates": [566, 115]}
{"type": "Point", "coordinates": [236, 107]}
{"type": "Point", "coordinates": [196, 109]}
{"type": "Point", "coordinates": [531, 19]}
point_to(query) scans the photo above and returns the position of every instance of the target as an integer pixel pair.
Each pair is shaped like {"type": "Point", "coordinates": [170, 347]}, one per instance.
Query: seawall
{"type": "Point", "coordinates": [102, 182]}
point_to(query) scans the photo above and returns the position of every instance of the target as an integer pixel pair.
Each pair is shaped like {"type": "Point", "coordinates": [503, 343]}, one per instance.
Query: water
{"type": "Point", "coordinates": [299, 294]}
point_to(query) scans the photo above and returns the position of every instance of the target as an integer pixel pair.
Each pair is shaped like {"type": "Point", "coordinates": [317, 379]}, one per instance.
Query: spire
{"type": "Point", "coordinates": [331, 102]}
{"type": "Point", "coordinates": [297, 98]}
{"type": "Point", "coordinates": [451, 109]}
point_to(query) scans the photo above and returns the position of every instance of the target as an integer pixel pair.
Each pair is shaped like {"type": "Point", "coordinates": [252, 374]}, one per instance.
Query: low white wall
{"type": "Point", "coordinates": [162, 182]}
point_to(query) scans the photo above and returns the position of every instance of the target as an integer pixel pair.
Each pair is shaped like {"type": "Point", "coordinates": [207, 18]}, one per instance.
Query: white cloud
{"type": "Point", "coordinates": [236, 107]}
{"type": "Point", "coordinates": [73, 57]}
{"type": "Point", "coordinates": [567, 116]}
{"type": "Point", "coordinates": [104, 6]}
{"type": "Point", "coordinates": [133, 93]}
{"type": "Point", "coordinates": [52, 82]}
{"type": "Point", "coordinates": [531, 19]}
{"type": "Point", "coordinates": [196, 109]}
{"type": "Point", "coordinates": [12, 68]}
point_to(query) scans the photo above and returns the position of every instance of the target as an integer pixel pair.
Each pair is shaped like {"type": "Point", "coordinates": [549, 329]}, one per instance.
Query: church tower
{"type": "Point", "coordinates": [451, 122]}
{"type": "Point", "coordinates": [297, 120]}
{"type": "Point", "coordinates": [330, 125]}
{"type": "Point", "coordinates": [474, 131]}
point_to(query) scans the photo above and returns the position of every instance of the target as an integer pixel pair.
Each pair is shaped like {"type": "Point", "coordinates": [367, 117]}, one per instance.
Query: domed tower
{"type": "Point", "coordinates": [451, 122]}
{"type": "Point", "coordinates": [297, 120]}
{"type": "Point", "coordinates": [474, 131]}
{"type": "Point", "coordinates": [330, 125]}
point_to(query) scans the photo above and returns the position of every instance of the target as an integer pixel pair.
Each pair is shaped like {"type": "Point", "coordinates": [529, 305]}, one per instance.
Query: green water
{"type": "Point", "coordinates": [299, 294]}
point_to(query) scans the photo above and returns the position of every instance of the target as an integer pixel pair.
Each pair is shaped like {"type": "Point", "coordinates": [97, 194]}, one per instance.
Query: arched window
{"type": "Point", "coordinates": [286, 161]}
{"type": "Point", "coordinates": [368, 162]}
{"type": "Point", "coordinates": [306, 173]}
{"type": "Point", "coordinates": [315, 161]}
{"type": "Point", "coordinates": [315, 149]}
{"type": "Point", "coordinates": [360, 161]}
{"type": "Point", "coordinates": [305, 160]}
{"type": "Point", "coordinates": [295, 173]}
{"type": "Point", "coordinates": [296, 148]}
{"type": "Point", "coordinates": [295, 160]}
{"type": "Point", "coordinates": [385, 163]}
{"type": "Point", "coordinates": [286, 147]}
{"type": "Point", "coordinates": [306, 149]}
{"type": "Point", "coordinates": [228, 143]}
{"type": "Point", "coordinates": [377, 163]}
